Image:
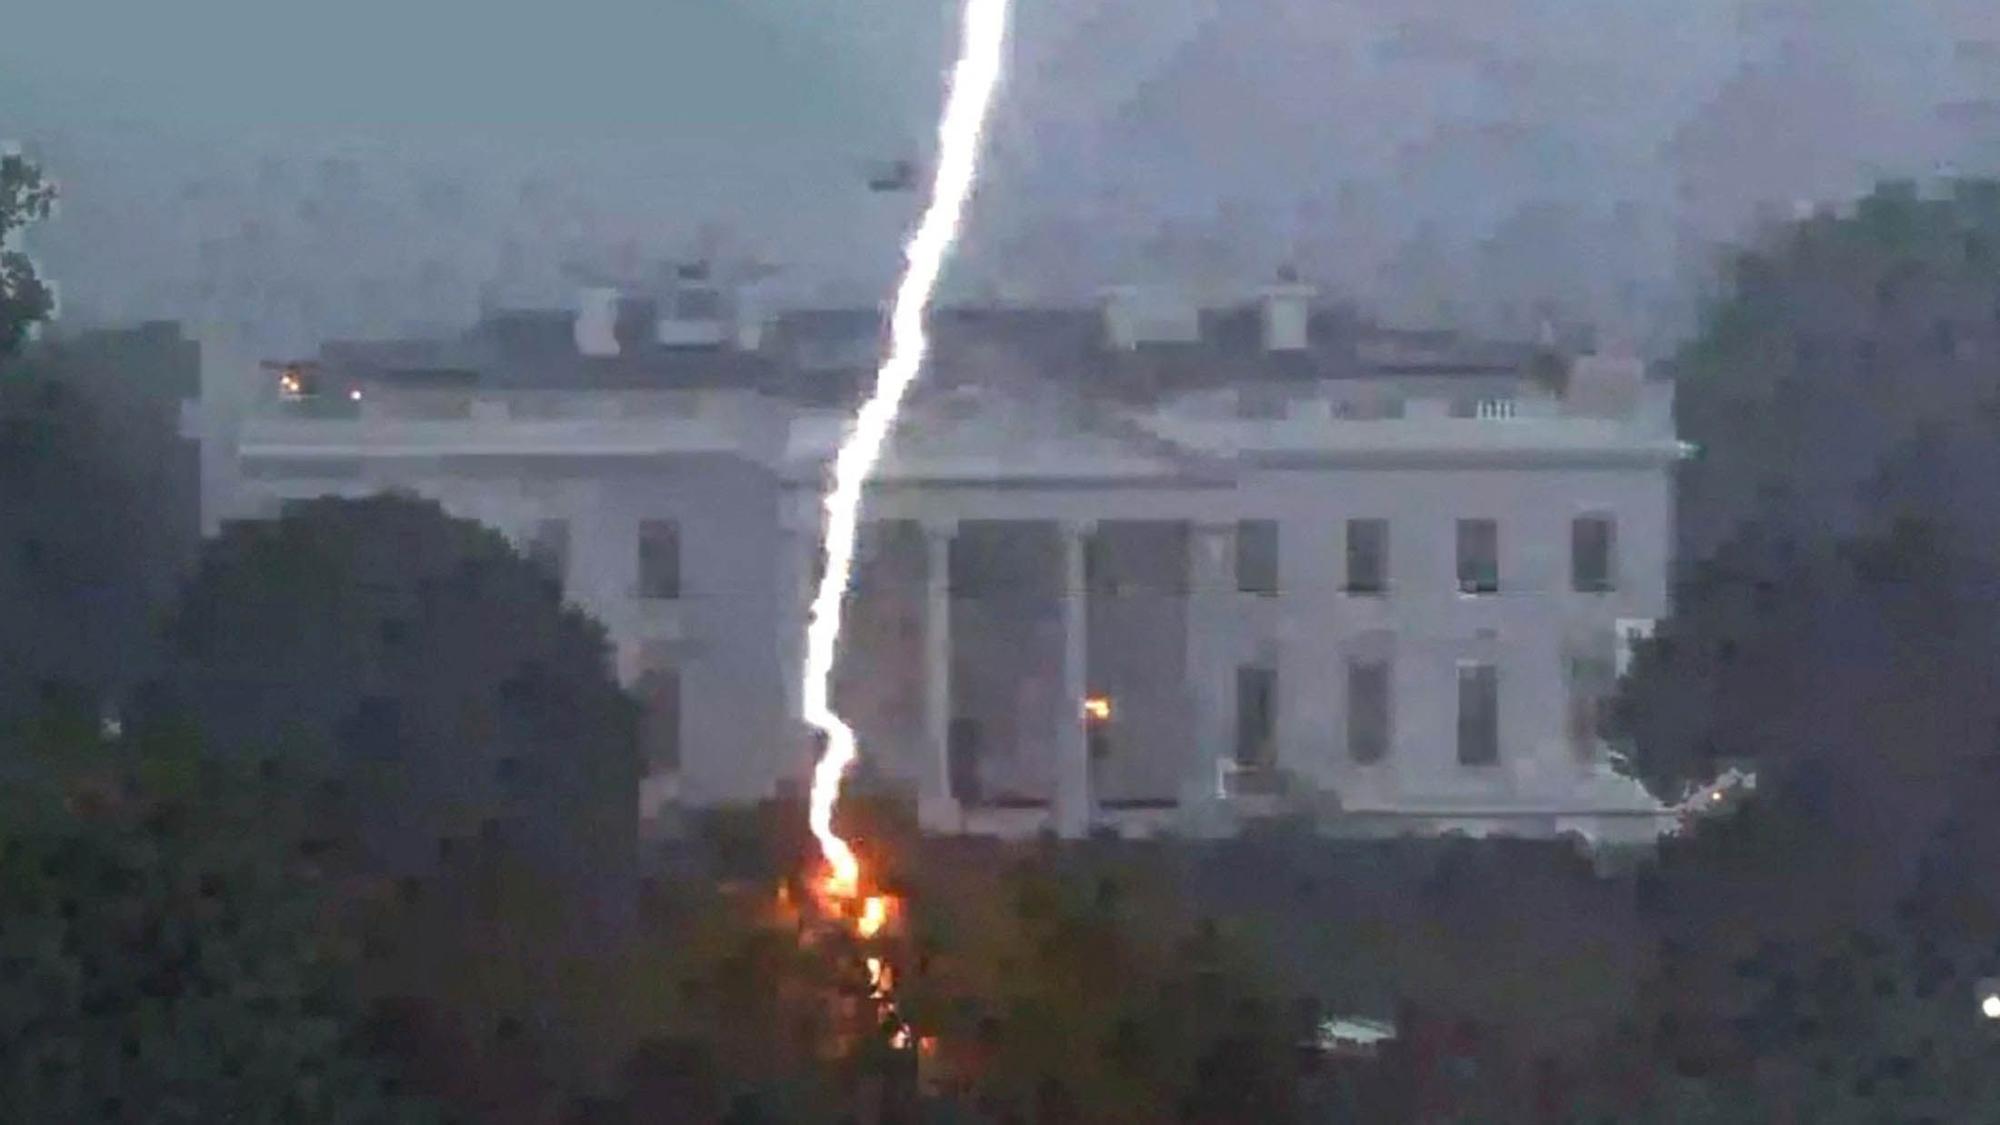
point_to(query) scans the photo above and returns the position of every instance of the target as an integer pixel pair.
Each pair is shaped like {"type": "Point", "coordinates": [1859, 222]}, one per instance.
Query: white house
{"type": "Point", "coordinates": [1140, 565]}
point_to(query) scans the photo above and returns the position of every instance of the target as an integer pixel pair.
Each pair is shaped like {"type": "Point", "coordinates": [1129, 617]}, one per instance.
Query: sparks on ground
{"type": "Point", "coordinates": [973, 81]}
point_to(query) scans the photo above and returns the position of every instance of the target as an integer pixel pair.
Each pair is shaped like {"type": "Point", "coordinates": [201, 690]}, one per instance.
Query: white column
{"type": "Point", "coordinates": [1073, 797]}
{"type": "Point", "coordinates": [1211, 680]}
{"type": "Point", "coordinates": [937, 805]}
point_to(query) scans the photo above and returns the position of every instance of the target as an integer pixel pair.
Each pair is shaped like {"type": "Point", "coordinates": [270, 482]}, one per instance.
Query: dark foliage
{"type": "Point", "coordinates": [162, 957]}
{"type": "Point", "coordinates": [432, 669]}
{"type": "Point", "coordinates": [25, 299]}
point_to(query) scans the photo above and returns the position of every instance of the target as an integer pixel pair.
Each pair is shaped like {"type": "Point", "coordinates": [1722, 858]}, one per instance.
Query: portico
{"type": "Point", "coordinates": [1379, 586]}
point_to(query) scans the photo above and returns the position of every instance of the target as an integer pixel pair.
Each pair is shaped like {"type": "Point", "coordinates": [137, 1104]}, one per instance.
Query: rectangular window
{"type": "Point", "coordinates": [659, 691]}
{"type": "Point", "coordinates": [1367, 556]}
{"type": "Point", "coordinates": [1368, 710]}
{"type": "Point", "coordinates": [1478, 556]}
{"type": "Point", "coordinates": [1478, 714]}
{"type": "Point", "coordinates": [1592, 541]}
{"type": "Point", "coordinates": [1593, 681]}
{"type": "Point", "coordinates": [1257, 557]}
{"type": "Point", "coordinates": [659, 559]}
{"type": "Point", "coordinates": [1256, 716]}
{"type": "Point", "coordinates": [548, 548]}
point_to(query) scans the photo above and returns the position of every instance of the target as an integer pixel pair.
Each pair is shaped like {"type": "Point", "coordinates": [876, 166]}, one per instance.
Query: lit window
{"type": "Point", "coordinates": [295, 384]}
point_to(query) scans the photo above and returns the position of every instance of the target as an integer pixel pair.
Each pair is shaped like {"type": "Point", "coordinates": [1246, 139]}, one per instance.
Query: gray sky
{"type": "Point", "coordinates": [1386, 142]}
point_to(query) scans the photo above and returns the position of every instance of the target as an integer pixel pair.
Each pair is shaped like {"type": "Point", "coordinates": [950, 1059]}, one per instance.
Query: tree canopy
{"type": "Point", "coordinates": [25, 299]}
{"type": "Point", "coordinates": [433, 668]}
{"type": "Point", "coordinates": [162, 954]}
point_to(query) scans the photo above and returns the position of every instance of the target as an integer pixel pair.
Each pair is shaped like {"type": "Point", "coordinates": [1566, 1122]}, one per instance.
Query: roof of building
{"type": "Point", "coordinates": [827, 355]}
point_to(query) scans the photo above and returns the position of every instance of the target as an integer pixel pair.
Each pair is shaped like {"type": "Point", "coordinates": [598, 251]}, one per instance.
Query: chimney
{"type": "Point", "coordinates": [1287, 309]}
{"type": "Point", "coordinates": [597, 322]}
{"type": "Point", "coordinates": [1135, 316]}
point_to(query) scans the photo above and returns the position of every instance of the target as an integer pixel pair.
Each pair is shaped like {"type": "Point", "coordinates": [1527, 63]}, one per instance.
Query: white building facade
{"type": "Point", "coordinates": [1145, 568]}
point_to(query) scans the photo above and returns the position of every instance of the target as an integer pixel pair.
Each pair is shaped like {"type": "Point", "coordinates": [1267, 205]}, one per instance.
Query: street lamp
{"type": "Point", "coordinates": [1989, 998]}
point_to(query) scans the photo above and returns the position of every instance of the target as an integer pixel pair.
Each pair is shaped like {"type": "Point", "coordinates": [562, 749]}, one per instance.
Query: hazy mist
{"type": "Point", "coordinates": [372, 168]}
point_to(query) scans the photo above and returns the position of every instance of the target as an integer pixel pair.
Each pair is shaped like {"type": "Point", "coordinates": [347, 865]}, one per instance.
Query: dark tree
{"type": "Point", "coordinates": [99, 516]}
{"type": "Point", "coordinates": [1834, 627]}
{"type": "Point", "coordinates": [1836, 531]}
{"type": "Point", "coordinates": [433, 669]}
{"type": "Point", "coordinates": [162, 955]}
{"type": "Point", "coordinates": [25, 299]}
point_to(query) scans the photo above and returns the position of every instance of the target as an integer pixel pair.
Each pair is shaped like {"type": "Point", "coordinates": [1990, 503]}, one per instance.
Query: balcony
{"type": "Point", "coordinates": [1425, 428]}
{"type": "Point", "coordinates": [514, 423]}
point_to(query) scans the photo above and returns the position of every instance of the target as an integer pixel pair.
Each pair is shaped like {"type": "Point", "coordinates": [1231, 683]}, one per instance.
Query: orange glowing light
{"type": "Point", "coordinates": [874, 915]}
{"type": "Point", "coordinates": [1097, 708]}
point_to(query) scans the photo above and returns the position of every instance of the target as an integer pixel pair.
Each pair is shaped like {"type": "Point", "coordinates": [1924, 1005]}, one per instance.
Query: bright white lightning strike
{"type": "Point", "coordinates": [973, 81]}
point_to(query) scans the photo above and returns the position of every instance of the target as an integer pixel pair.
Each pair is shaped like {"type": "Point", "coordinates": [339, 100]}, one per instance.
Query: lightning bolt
{"type": "Point", "coordinates": [973, 81]}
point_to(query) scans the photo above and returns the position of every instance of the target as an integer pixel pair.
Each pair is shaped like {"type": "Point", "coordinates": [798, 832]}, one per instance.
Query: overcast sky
{"type": "Point", "coordinates": [1386, 140]}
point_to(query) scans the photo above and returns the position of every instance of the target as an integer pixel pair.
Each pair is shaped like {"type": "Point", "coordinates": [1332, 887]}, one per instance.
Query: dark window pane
{"type": "Point", "coordinates": [1478, 714]}
{"type": "Point", "coordinates": [1592, 541]}
{"type": "Point", "coordinates": [1367, 556]}
{"type": "Point", "coordinates": [659, 691]}
{"type": "Point", "coordinates": [1368, 711]}
{"type": "Point", "coordinates": [1257, 556]}
{"type": "Point", "coordinates": [1592, 683]}
{"type": "Point", "coordinates": [1478, 556]}
{"type": "Point", "coordinates": [659, 559]}
{"type": "Point", "coordinates": [1256, 715]}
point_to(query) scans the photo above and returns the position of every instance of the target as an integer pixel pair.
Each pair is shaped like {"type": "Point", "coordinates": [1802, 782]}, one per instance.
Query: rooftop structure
{"type": "Point", "coordinates": [1146, 565]}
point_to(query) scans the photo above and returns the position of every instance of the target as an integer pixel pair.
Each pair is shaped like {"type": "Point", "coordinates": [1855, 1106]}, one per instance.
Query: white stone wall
{"type": "Point", "coordinates": [738, 480]}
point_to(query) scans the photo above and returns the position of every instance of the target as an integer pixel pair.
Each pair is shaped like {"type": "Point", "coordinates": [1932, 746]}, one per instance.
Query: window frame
{"type": "Point", "coordinates": [1471, 583]}
{"type": "Point", "coordinates": [1485, 750]}
{"type": "Point", "coordinates": [1259, 750]}
{"type": "Point", "coordinates": [1348, 583]}
{"type": "Point", "coordinates": [672, 590]}
{"type": "Point", "coordinates": [1247, 582]}
{"type": "Point", "coordinates": [1357, 753]}
{"type": "Point", "coordinates": [1607, 582]}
